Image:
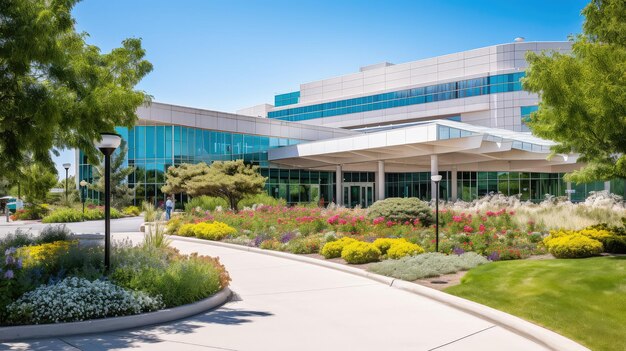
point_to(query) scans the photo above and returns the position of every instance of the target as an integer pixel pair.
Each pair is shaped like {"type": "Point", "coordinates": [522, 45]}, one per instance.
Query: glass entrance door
{"type": "Point", "coordinates": [358, 194]}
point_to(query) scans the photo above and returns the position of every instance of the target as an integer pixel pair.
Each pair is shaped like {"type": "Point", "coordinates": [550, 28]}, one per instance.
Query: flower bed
{"type": "Point", "coordinates": [50, 278]}
{"type": "Point", "coordinates": [396, 228]}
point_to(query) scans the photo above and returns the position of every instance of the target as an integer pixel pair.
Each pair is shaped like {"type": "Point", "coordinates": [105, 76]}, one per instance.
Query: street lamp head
{"type": "Point", "coordinates": [67, 166]}
{"type": "Point", "coordinates": [435, 178]}
{"type": "Point", "coordinates": [83, 183]}
{"type": "Point", "coordinates": [108, 142]}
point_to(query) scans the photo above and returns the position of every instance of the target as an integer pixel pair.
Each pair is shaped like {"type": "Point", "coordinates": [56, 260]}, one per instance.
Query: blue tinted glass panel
{"type": "Point", "coordinates": [440, 92]}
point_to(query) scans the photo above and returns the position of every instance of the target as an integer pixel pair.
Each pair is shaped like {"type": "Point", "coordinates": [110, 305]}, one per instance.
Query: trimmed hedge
{"type": "Point", "coordinates": [360, 252]}
{"type": "Point", "coordinates": [573, 246]}
{"type": "Point", "coordinates": [401, 210]}
{"type": "Point", "coordinates": [333, 249]}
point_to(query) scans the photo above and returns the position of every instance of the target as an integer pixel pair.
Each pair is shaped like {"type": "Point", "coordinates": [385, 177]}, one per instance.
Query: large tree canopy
{"type": "Point", "coordinates": [231, 180]}
{"type": "Point", "coordinates": [583, 94]}
{"type": "Point", "coordinates": [56, 91]}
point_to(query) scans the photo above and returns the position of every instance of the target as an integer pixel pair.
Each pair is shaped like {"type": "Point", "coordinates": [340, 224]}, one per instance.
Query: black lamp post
{"type": "Point", "coordinates": [83, 184]}
{"type": "Point", "coordinates": [107, 144]}
{"type": "Point", "coordinates": [436, 179]}
{"type": "Point", "coordinates": [67, 168]}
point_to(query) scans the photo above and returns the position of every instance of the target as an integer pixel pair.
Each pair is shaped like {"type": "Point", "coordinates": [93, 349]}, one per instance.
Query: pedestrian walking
{"type": "Point", "coordinates": [169, 204]}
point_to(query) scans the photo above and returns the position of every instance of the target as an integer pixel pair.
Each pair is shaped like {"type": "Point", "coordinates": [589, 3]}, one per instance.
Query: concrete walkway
{"type": "Point", "coordinates": [282, 304]}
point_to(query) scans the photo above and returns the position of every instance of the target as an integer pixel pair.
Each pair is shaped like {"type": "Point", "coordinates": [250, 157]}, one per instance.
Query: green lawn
{"type": "Point", "coordinates": [582, 299]}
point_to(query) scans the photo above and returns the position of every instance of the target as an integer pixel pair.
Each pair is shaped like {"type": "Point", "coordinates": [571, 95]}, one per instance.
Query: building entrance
{"type": "Point", "coordinates": [358, 194]}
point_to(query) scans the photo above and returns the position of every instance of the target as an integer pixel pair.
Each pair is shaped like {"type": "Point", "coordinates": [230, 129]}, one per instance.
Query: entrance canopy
{"type": "Point", "coordinates": [411, 147]}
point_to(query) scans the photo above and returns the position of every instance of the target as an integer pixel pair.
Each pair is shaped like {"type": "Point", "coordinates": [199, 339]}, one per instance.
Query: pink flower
{"type": "Point", "coordinates": [468, 229]}
{"type": "Point", "coordinates": [481, 228]}
{"type": "Point", "coordinates": [342, 221]}
{"type": "Point", "coordinates": [389, 223]}
{"type": "Point", "coordinates": [457, 219]}
{"type": "Point", "coordinates": [378, 220]}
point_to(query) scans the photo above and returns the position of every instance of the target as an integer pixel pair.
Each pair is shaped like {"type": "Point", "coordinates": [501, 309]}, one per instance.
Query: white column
{"type": "Point", "coordinates": [454, 193]}
{"type": "Point", "coordinates": [339, 186]}
{"type": "Point", "coordinates": [380, 181]}
{"type": "Point", "coordinates": [434, 170]}
{"type": "Point", "coordinates": [607, 185]}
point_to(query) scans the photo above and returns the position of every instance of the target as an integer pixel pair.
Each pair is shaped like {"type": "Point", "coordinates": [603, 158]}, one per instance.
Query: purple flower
{"type": "Point", "coordinates": [9, 251]}
{"type": "Point", "coordinates": [494, 256]}
{"type": "Point", "coordinates": [287, 237]}
{"type": "Point", "coordinates": [19, 263]}
{"type": "Point", "coordinates": [458, 251]}
{"type": "Point", "coordinates": [9, 260]}
{"type": "Point", "coordinates": [8, 274]}
{"type": "Point", "coordinates": [259, 239]}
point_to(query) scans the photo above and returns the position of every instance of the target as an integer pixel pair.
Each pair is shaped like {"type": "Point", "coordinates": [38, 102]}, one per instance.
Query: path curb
{"type": "Point", "coordinates": [528, 330]}
{"type": "Point", "coordinates": [116, 323]}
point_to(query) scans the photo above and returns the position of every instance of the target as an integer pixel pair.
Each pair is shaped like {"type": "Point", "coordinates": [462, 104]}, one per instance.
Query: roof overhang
{"type": "Point", "coordinates": [458, 145]}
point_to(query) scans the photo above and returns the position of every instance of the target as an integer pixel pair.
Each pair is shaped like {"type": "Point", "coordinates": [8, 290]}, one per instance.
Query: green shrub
{"type": "Point", "coordinates": [186, 230]}
{"type": "Point", "coordinates": [64, 215]}
{"type": "Point", "coordinates": [205, 203]}
{"type": "Point", "coordinates": [207, 230]}
{"type": "Point", "coordinates": [383, 244]}
{"type": "Point", "coordinates": [401, 210]}
{"type": "Point", "coordinates": [572, 246]}
{"type": "Point", "coordinates": [615, 244]}
{"type": "Point", "coordinates": [271, 244]}
{"type": "Point", "coordinates": [306, 245]}
{"type": "Point", "coordinates": [16, 239]}
{"type": "Point", "coordinates": [183, 281]}
{"type": "Point", "coordinates": [174, 224]}
{"type": "Point", "coordinates": [427, 265]}
{"type": "Point", "coordinates": [67, 215]}
{"type": "Point", "coordinates": [360, 252]}
{"type": "Point", "coordinates": [31, 212]}
{"type": "Point", "coordinates": [52, 233]}
{"type": "Point", "coordinates": [131, 211]}
{"type": "Point", "coordinates": [402, 249]}
{"type": "Point", "coordinates": [260, 199]}
{"type": "Point", "coordinates": [333, 249]}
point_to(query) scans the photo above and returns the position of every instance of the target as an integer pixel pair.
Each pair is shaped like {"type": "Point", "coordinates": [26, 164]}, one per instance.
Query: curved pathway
{"type": "Point", "coordinates": [280, 304]}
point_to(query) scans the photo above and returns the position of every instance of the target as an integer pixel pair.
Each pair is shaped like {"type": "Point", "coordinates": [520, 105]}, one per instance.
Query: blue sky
{"type": "Point", "coordinates": [225, 55]}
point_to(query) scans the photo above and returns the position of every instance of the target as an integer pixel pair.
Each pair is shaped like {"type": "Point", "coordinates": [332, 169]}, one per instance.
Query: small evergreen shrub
{"type": "Point", "coordinates": [260, 199]}
{"type": "Point", "coordinates": [64, 215]}
{"type": "Point", "coordinates": [186, 230]}
{"type": "Point", "coordinates": [360, 252]}
{"type": "Point", "coordinates": [131, 211]}
{"type": "Point", "coordinates": [401, 210]}
{"type": "Point", "coordinates": [402, 249]}
{"type": "Point", "coordinates": [572, 246]}
{"type": "Point", "coordinates": [615, 244]}
{"type": "Point", "coordinates": [205, 203]}
{"type": "Point", "coordinates": [333, 249]}
{"type": "Point", "coordinates": [383, 244]}
{"type": "Point", "coordinates": [68, 215]}
{"type": "Point", "coordinates": [207, 230]}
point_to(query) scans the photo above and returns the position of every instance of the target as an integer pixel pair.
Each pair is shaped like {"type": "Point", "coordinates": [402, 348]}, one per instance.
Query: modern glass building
{"type": "Point", "coordinates": [380, 132]}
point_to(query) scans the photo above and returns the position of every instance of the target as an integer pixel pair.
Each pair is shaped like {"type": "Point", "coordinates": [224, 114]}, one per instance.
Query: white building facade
{"type": "Point", "coordinates": [380, 132]}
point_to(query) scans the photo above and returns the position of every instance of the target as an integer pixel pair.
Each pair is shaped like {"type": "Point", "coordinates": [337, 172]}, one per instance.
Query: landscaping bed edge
{"type": "Point", "coordinates": [102, 325]}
